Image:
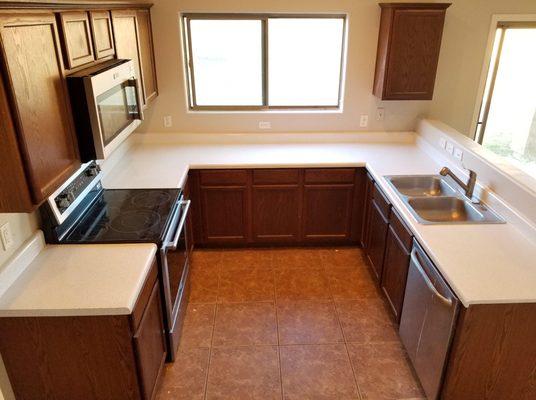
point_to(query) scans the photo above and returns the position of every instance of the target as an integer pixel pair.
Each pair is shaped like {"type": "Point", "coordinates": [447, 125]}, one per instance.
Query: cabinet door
{"type": "Point", "coordinates": [34, 69]}
{"type": "Point", "coordinates": [150, 346]}
{"type": "Point", "coordinates": [369, 188]}
{"type": "Point", "coordinates": [103, 38]}
{"type": "Point", "coordinates": [148, 71]}
{"type": "Point", "coordinates": [77, 40]}
{"type": "Point", "coordinates": [126, 37]}
{"type": "Point", "coordinates": [327, 213]}
{"type": "Point", "coordinates": [224, 211]}
{"type": "Point", "coordinates": [395, 272]}
{"type": "Point", "coordinates": [276, 213]}
{"type": "Point", "coordinates": [377, 234]}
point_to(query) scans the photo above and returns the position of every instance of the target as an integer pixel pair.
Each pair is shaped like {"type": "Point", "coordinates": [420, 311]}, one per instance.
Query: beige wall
{"type": "Point", "coordinates": [462, 57]}
{"type": "Point", "coordinates": [362, 41]}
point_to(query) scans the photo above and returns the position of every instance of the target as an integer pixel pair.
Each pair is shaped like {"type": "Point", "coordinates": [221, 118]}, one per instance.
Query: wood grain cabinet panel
{"type": "Point", "coordinates": [150, 345]}
{"type": "Point", "coordinates": [40, 105]}
{"type": "Point", "coordinates": [276, 213]}
{"type": "Point", "coordinates": [147, 61]}
{"type": "Point", "coordinates": [327, 212]}
{"type": "Point", "coordinates": [102, 34]}
{"type": "Point", "coordinates": [77, 39]}
{"type": "Point", "coordinates": [377, 234]}
{"type": "Point", "coordinates": [224, 211]}
{"type": "Point", "coordinates": [408, 50]}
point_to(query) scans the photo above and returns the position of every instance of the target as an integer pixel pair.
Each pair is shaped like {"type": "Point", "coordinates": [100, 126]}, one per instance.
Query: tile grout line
{"type": "Point", "coordinates": [359, 394]}
{"type": "Point", "coordinates": [277, 330]}
{"type": "Point", "coordinates": [212, 333]}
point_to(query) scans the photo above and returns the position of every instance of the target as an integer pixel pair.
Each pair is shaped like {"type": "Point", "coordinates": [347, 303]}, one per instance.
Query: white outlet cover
{"type": "Point", "coordinates": [265, 125]}
{"type": "Point", "coordinates": [450, 148]}
{"type": "Point", "coordinates": [458, 154]}
{"type": "Point", "coordinates": [442, 142]}
{"type": "Point", "coordinates": [7, 236]}
{"type": "Point", "coordinates": [168, 122]}
{"type": "Point", "coordinates": [363, 121]}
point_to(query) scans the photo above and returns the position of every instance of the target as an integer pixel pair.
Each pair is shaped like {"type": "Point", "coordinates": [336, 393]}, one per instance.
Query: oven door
{"type": "Point", "coordinates": [175, 274]}
{"type": "Point", "coordinates": [115, 107]}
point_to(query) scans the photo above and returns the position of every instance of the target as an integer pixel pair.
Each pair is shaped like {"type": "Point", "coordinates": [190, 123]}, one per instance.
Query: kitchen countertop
{"type": "Point", "coordinates": [75, 280]}
{"type": "Point", "coordinates": [482, 263]}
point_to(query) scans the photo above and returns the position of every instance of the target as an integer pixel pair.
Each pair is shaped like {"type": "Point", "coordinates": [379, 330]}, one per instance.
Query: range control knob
{"type": "Point", "coordinates": [62, 201]}
{"type": "Point", "coordinates": [93, 170]}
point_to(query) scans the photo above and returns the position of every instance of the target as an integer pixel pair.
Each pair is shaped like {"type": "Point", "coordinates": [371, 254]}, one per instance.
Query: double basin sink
{"type": "Point", "coordinates": [433, 199]}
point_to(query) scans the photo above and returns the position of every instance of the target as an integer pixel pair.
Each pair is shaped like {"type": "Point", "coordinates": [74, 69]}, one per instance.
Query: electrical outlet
{"type": "Point", "coordinates": [380, 114]}
{"type": "Point", "coordinates": [168, 122]}
{"type": "Point", "coordinates": [450, 148]}
{"type": "Point", "coordinates": [458, 154]}
{"type": "Point", "coordinates": [363, 121]}
{"type": "Point", "coordinates": [442, 142]}
{"type": "Point", "coordinates": [265, 125]}
{"type": "Point", "coordinates": [7, 236]}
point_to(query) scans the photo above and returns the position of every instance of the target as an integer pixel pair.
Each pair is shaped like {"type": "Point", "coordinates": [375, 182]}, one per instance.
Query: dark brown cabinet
{"type": "Point", "coordinates": [88, 357]}
{"type": "Point", "coordinates": [378, 223]}
{"type": "Point", "coordinates": [40, 140]}
{"type": "Point", "coordinates": [103, 37]}
{"type": "Point", "coordinates": [265, 206]}
{"type": "Point", "coordinates": [408, 50]}
{"type": "Point", "coordinates": [396, 263]}
{"type": "Point", "coordinates": [276, 205]}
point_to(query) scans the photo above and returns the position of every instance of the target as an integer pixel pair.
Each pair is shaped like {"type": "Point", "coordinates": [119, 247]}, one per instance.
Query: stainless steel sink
{"type": "Point", "coordinates": [422, 185]}
{"type": "Point", "coordinates": [433, 199]}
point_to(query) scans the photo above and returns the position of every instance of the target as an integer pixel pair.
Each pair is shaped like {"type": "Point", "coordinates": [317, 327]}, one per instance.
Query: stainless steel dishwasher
{"type": "Point", "coordinates": [428, 320]}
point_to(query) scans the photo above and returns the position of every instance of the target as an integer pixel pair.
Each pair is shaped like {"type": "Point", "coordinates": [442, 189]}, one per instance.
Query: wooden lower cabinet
{"type": "Point", "coordinates": [87, 357]}
{"type": "Point", "coordinates": [276, 213]}
{"type": "Point", "coordinates": [270, 206]}
{"type": "Point", "coordinates": [377, 235]}
{"type": "Point", "coordinates": [327, 213]}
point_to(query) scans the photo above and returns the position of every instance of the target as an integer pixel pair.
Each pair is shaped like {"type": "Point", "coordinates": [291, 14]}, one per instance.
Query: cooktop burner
{"type": "Point", "coordinates": [126, 215]}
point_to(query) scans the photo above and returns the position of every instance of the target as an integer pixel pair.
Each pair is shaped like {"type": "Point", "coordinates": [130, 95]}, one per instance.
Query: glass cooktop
{"type": "Point", "coordinates": [126, 215]}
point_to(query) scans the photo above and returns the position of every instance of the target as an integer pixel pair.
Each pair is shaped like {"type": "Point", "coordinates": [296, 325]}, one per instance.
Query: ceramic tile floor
{"type": "Point", "coordinates": [287, 324]}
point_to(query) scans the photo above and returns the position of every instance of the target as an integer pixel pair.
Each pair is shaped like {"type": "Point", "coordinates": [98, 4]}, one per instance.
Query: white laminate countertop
{"type": "Point", "coordinates": [77, 280]}
{"type": "Point", "coordinates": [482, 263]}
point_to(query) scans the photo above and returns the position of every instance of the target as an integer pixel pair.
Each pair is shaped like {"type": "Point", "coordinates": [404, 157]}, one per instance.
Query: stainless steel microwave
{"type": "Point", "coordinates": [106, 104]}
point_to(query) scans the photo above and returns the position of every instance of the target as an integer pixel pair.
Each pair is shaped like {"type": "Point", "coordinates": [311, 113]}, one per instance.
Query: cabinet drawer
{"type": "Point", "coordinates": [276, 176]}
{"type": "Point", "coordinates": [330, 175]}
{"type": "Point", "coordinates": [404, 234]}
{"type": "Point", "coordinates": [143, 298]}
{"type": "Point", "coordinates": [223, 177]}
{"type": "Point", "coordinates": [381, 201]}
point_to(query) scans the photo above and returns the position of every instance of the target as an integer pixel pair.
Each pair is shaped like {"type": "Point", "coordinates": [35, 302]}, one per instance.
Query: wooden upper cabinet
{"type": "Point", "coordinates": [76, 32]}
{"type": "Point", "coordinates": [408, 50]}
{"type": "Point", "coordinates": [39, 101]}
{"type": "Point", "coordinates": [150, 88]}
{"type": "Point", "coordinates": [102, 34]}
{"type": "Point", "coordinates": [133, 40]}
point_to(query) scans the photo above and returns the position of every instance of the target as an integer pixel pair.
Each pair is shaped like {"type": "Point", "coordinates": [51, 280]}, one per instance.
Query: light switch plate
{"type": "Point", "coordinates": [458, 154]}
{"type": "Point", "coordinates": [380, 114]}
{"type": "Point", "coordinates": [168, 122]}
{"type": "Point", "coordinates": [363, 121]}
{"type": "Point", "coordinates": [6, 236]}
{"type": "Point", "coordinates": [442, 142]}
{"type": "Point", "coordinates": [450, 148]}
{"type": "Point", "coordinates": [265, 125]}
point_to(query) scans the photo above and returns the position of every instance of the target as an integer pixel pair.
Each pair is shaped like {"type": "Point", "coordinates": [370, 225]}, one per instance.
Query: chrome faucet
{"type": "Point", "coordinates": [469, 187]}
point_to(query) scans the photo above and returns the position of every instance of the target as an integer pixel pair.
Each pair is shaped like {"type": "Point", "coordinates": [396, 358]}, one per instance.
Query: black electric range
{"type": "Point", "coordinates": [81, 211]}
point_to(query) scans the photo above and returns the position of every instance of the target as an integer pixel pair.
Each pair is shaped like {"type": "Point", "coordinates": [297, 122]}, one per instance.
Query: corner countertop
{"type": "Point", "coordinates": [75, 280]}
{"type": "Point", "coordinates": [482, 263]}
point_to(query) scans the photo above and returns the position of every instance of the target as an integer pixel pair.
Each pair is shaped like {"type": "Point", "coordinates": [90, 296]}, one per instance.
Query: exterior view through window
{"type": "Point", "coordinates": [264, 62]}
{"type": "Point", "coordinates": [507, 121]}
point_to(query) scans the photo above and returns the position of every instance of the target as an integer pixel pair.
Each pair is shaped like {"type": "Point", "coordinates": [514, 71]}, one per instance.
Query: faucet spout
{"type": "Point", "coordinates": [468, 187]}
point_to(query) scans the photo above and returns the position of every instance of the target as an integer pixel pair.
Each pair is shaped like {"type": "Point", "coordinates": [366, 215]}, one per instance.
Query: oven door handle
{"type": "Point", "coordinates": [172, 244]}
{"type": "Point", "coordinates": [134, 82]}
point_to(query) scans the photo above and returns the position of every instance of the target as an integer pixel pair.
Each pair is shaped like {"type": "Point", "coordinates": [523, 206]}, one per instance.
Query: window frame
{"type": "Point", "coordinates": [186, 18]}
{"type": "Point", "coordinates": [491, 74]}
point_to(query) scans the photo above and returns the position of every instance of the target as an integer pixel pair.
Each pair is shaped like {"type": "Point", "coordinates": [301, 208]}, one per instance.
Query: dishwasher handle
{"type": "Point", "coordinates": [426, 278]}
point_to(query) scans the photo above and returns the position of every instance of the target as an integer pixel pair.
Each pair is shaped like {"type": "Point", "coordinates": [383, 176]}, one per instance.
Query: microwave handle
{"type": "Point", "coordinates": [172, 244]}
{"type": "Point", "coordinates": [133, 82]}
